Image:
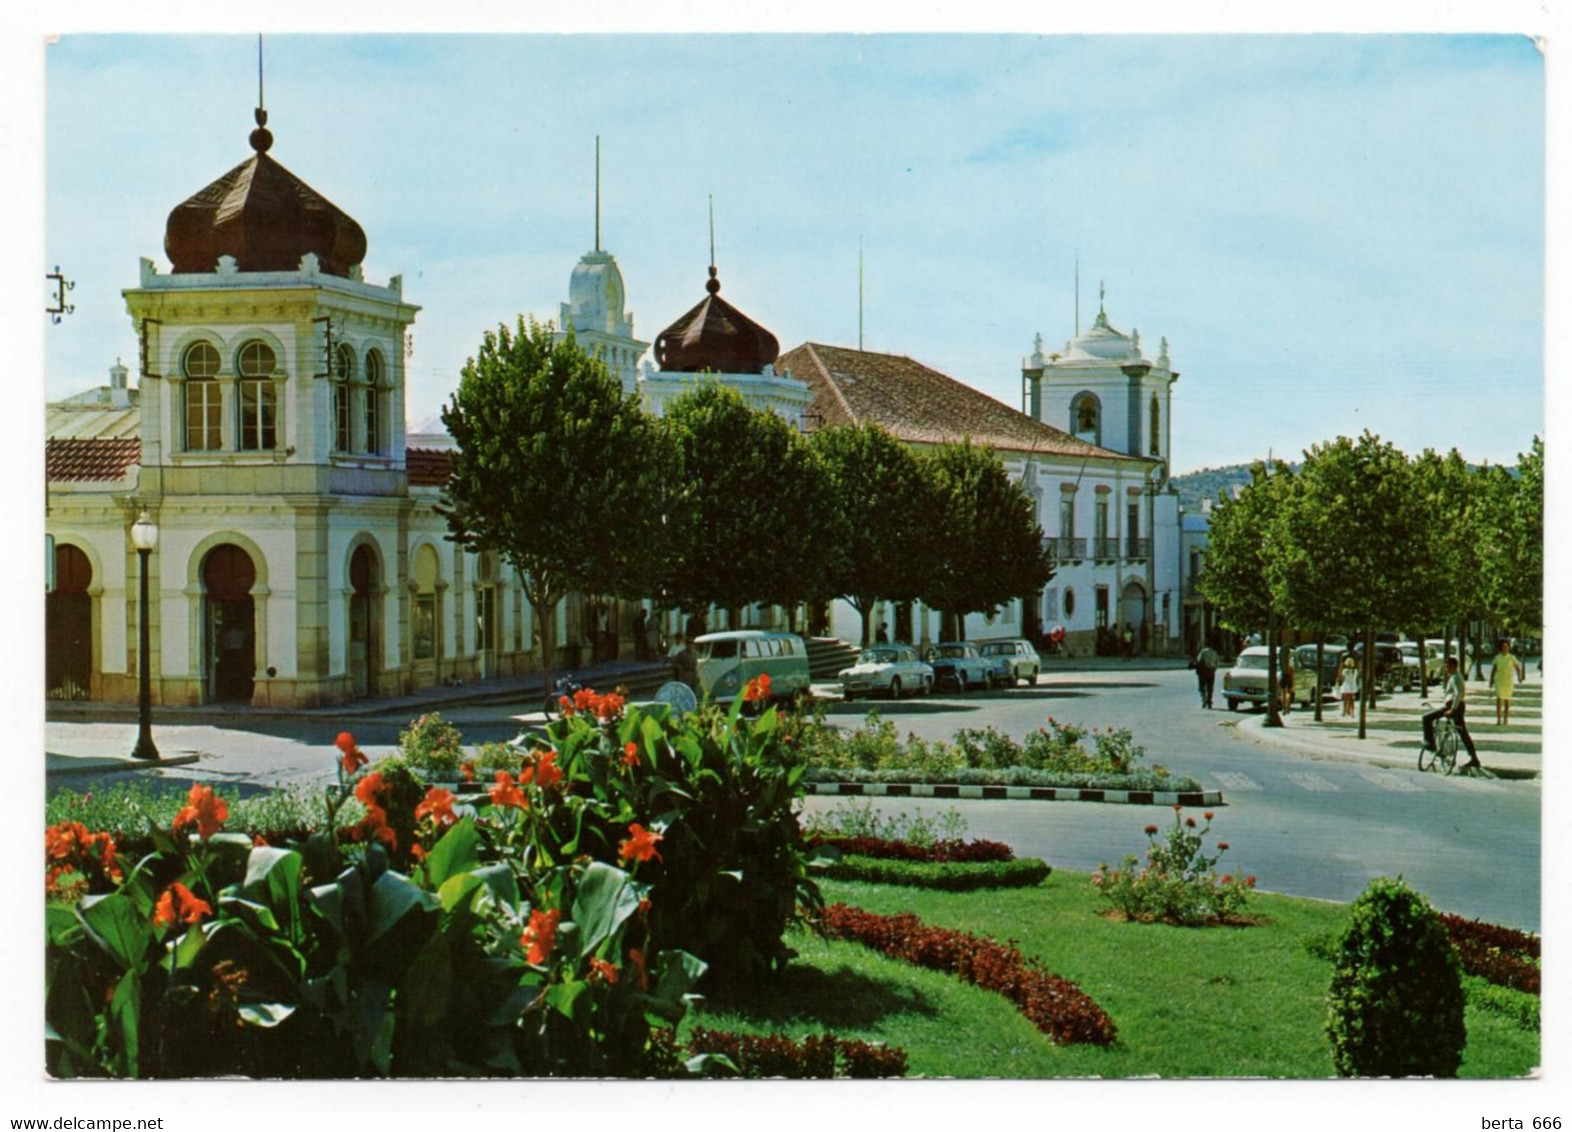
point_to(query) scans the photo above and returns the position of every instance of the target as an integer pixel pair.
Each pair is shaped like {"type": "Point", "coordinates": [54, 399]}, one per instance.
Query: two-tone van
{"type": "Point", "coordinates": [727, 661]}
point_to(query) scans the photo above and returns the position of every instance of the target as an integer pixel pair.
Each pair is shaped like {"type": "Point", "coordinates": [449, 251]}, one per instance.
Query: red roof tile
{"type": "Point", "coordinates": [920, 405]}
{"type": "Point", "coordinates": [427, 467]}
{"type": "Point", "coordinates": [87, 460]}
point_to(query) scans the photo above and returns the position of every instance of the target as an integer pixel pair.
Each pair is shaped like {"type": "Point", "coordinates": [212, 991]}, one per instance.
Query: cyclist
{"type": "Point", "coordinates": [1456, 702]}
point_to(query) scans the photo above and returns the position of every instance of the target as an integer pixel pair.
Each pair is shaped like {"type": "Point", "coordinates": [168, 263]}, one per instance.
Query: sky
{"type": "Point", "coordinates": [1334, 232]}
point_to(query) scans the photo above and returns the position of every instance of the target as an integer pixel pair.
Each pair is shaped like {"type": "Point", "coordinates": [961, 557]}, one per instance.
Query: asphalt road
{"type": "Point", "coordinates": [1305, 826]}
{"type": "Point", "coordinates": [1301, 825]}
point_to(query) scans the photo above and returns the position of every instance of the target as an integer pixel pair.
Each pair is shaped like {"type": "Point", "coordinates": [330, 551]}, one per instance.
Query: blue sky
{"type": "Point", "coordinates": [1334, 232]}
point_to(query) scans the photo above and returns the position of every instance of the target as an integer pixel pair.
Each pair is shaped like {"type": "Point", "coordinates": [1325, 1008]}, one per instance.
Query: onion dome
{"type": "Point", "coordinates": [265, 217]}
{"type": "Point", "coordinates": [715, 336]}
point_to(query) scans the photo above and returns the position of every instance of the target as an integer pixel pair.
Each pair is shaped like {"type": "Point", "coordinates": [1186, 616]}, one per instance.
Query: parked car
{"type": "Point", "coordinates": [1011, 661]}
{"type": "Point", "coordinates": [1246, 682]}
{"type": "Point", "coordinates": [959, 663]}
{"type": "Point", "coordinates": [1331, 665]}
{"type": "Point", "coordinates": [893, 670]}
{"type": "Point", "coordinates": [1433, 661]}
{"type": "Point", "coordinates": [1391, 669]}
{"type": "Point", "coordinates": [727, 661]}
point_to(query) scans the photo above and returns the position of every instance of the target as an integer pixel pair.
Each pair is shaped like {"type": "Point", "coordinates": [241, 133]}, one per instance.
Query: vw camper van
{"type": "Point", "coordinates": [727, 661]}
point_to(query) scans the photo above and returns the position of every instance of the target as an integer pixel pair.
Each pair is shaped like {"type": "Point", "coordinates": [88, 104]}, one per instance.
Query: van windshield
{"type": "Point", "coordinates": [717, 650]}
{"type": "Point", "coordinates": [1252, 660]}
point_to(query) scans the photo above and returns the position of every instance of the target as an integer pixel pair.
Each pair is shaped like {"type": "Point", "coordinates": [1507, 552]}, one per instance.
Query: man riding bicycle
{"type": "Point", "coordinates": [1456, 702]}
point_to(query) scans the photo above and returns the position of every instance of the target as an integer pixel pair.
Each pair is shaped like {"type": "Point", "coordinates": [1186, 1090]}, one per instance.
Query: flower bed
{"type": "Point", "coordinates": [948, 876]}
{"type": "Point", "coordinates": [1055, 1005]}
{"type": "Point", "coordinates": [1504, 956]}
{"type": "Point", "coordinates": [718, 1053]}
{"type": "Point", "coordinates": [1178, 883]}
{"type": "Point", "coordinates": [1010, 776]}
{"type": "Point", "coordinates": [947, 850]}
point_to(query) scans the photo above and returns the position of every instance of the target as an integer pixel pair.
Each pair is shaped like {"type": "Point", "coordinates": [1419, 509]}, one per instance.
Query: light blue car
{"type": "Point", "coordinates": [958, 663]}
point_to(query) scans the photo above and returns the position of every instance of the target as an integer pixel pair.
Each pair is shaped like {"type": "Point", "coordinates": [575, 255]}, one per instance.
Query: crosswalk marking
{"type": "Point", "coordinates": [1234, 781]}
{"type": "Point", "coordinates": [1387, 780]}
{"type": "Point", "coordinates": [1312, 782]}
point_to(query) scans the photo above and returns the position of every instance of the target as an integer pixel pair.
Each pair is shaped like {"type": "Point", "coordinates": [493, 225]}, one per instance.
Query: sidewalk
{"type": "Point", "coordinates": [1394, 732]}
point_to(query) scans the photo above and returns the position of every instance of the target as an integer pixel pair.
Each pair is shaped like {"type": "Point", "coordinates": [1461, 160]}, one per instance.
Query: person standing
{"type": "Point", "coordinates": [685, 666]}
{"type": "Point", "coordinates": [1129, 640]}
{"type": "Point", "coordinates": [1206, 664]}
{"type": "Point", "coordinates": [1456, 703]}
{"type": "Point", "coordinates": [1505, 671]}
{"type": "Point", "coordinates": [1285, 680]}
{"type": "Point", "coordinates": [1348, 685]}
{"type": "Point", "coordinates": [641, 636]}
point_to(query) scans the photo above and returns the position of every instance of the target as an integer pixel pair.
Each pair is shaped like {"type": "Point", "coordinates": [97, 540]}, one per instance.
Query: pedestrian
{"type": "Point", "coordinates": [881, 637]}
{"type": "Point", "coordinates": [1285, 681]}
{"type": "Point", "coordinates": [685, 666]}
{"type": "Point", "coordinates": [1505, 671]}
{"type": "Point", "coordinates": [1206, 664]}
{"type": "Point", "coordinates": [1129, 640]}
{"type": "Point", "coordinates": [1348, 685]}
{"type": "Point", "coordinates": [641, 636]}
{"type": "Point", "coordinates": [1456, 703]}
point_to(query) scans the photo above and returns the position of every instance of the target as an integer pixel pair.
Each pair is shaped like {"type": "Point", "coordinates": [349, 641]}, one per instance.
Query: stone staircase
{"type": "Point", "coordinates": [827, 656]}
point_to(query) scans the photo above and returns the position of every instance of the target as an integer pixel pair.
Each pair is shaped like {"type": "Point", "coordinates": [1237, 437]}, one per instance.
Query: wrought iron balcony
{"type": "Point", "coordinates": [1066, 549]}
{"type": "Point", "coordinates": [1105, 548]}
{"type": "Point", "coordinates": [1139, 548]}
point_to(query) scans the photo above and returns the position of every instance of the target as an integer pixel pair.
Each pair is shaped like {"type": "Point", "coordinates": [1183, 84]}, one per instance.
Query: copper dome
{"type": "Point", "coordinates": [266, 217]}
{"type": "Point", "coordinates": [715, 336]}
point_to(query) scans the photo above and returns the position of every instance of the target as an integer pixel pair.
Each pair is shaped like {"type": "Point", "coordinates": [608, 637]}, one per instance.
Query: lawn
{"type": "Point", "coordinates": [1188, 1002]}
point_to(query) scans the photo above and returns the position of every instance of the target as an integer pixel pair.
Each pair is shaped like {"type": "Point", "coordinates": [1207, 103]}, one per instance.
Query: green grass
{"type": "Point", "coordinates": [1189, 1002]}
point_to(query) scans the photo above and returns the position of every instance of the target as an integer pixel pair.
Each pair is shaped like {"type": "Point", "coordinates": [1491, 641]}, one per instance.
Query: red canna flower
{"type": "Point", "coordinates": [630, 754]}
{"type": "Point", "coordinates": [540, 937]}
{"type": "Point", "coordinates": [644, 906]}
{"type": "Point", "coordinates": [566, 705]}
{"type": "Point", "coordinates": [205, 808]}
{"type": "Point", "coordinates": [179, 905]}
{"type": "Point", "coordinates": [418, 851]}
{"type": "Point", "coordinates": [438, 806]}
{"type": "Point", "coordinates": [345, 742]}
{"type": "Point", "coordinates": [636, 957]}
{"type": "Point", "coordinates": [545, 773]}
{"type": "Point", "coordinates": [507, 792]}
{"type": "Point", "coordinates": [604, 969]}
{"type": "Point", "coordinates": [368, 791]}
{"type": "Point", "coordinates": [758, 689]}
{"type": "Point", "coordinates": [467, 768]}
{"type": "Point", "coordinates": [640, 846]}
{"type": "Point", "coordinates": [584, 699]}
{"type": "Point", "coordinates": [258, 841]}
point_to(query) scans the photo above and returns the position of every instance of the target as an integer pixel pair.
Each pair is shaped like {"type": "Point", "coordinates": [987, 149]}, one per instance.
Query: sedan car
{"type": "Point", "coordinates": [1246, 682]}
{"type": "Point", "coordinates": [1434, 662]}
{"type": "Point", "coordinates": [1392, 671]}
{"type": "Point", "coordinates": [891, 670]}
{"type": "Point", "coordinates": [1331, 666]}
{"type": "Point", "coordinates": [1011, 661]}
{"type": "Point", "coordinates": [959, 663]}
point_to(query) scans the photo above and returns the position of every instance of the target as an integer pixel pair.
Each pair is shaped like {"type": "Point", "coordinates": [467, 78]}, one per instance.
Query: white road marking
{"type": "Point", "coordinates": [1234, 781]}
{"type": "Point", "coordinates": [1312, 782]}
{"type": "Point", "coordinates": [1387, 780]}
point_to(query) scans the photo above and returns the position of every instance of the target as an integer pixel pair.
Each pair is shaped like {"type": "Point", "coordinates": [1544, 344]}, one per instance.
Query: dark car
{"type": "Point", "coordinates": [1331, 665]}
{"type": "Point", "coordinates": [1392, 670]}
{"type": "Point", "coordinates": [958, 664]}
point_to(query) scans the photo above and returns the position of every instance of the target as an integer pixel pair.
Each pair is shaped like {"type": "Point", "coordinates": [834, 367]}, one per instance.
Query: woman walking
{"type": "Point", "coordinates": [1348, 685]}
{"type": "Point", "coordinates": [1505, 671]}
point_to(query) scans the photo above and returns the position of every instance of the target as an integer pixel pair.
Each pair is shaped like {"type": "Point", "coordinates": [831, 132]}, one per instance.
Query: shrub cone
{"type": "Point", "coordinates": [1395, 1006]}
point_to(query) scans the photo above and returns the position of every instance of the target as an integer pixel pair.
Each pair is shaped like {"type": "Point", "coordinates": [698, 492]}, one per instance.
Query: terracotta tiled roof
{"type": "Point", "coordinates": [427, 467]}
{"type": "Point", "coordinates": [920, 405]}
{"type": "Point", "coordinates": [90, 460]}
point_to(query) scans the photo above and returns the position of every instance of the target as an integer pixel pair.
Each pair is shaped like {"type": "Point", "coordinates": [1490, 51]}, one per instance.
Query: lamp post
{"type": "Point", "coordinates": [144, 536]}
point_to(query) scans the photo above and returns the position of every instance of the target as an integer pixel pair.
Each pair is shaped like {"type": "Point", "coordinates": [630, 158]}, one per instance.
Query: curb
{"type": "Point", "coordinates": [1017, 793]}
{"type": "Point", "coordinates": [112, 766]}
{"type": "Point", "coordinates": [1314, 747]}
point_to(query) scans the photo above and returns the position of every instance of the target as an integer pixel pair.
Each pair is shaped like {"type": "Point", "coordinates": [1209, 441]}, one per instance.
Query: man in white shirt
{"type": "Point", "coordinates": [1456, 701]}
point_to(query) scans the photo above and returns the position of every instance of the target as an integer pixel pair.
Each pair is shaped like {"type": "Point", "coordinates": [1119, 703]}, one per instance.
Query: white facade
{"type": "Point", "coordinates": [597, 313]}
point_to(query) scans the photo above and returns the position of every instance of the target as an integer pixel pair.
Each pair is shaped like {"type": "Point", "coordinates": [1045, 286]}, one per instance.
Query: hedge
{"type": "Point", "coordinates": [952, 877]}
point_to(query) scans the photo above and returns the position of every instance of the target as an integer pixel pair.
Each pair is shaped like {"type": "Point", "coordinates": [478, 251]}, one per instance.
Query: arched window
{"type": "Point", "coordinates": [374, 395]}
{"type": "Point", "coordinates": [258, 399]}
{"type": "Point", "coordinates": [343, 371]}
{"type": "Point", "coordinates": [200, 365]}
{"type": "Point", "coordinates": [424, 573]}
{"type": "Point", "coordinates": [1157, 427]}
{"type": "Point", "coordinates": [1086, 418]}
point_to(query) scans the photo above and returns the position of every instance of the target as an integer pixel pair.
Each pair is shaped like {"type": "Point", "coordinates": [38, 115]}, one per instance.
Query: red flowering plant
{"type": "Point", "coordinates": [1177, 882]}
{"type": "Point", "coordinates": [77, 862]}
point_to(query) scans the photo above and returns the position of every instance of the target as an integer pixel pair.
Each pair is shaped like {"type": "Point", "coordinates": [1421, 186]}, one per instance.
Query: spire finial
{"type": "Point", "coordinates": [1102, 293]}
{"type": "Point", "coordinates": [713, 286]}
{"type": "Point", "coordinates": [859, 294]}
{"type": "Point", "coordinates": [261, 139]}
{"type": "Point", "coordinates": [597, 192]}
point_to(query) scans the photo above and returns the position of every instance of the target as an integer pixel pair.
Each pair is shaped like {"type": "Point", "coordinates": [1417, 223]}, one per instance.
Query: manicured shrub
{"type": "Point", "coordinates": [432, 746]}
{"type": "Point", "coordinates": [1395, 1006]}
{"type": "Point", "coordinates": [1154, 779]}
{"type": "Point", "coordinates": [864, 820]}
{"type": "Point", "coordinates": [949, 876]}
{"type": "Point", "coordinates": [975, 850]}
{"type": "Point", "coordinates": [1055, 1005]}
{"type": "Point", "coordinates": [1178, 882]}
{"type": "Point", "coordinates": [717, 1053]}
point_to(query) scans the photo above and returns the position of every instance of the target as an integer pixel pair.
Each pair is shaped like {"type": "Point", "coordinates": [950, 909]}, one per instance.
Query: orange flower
{"type": "Point", "coordinates": [545, 773]}
{"type": "Point", "coordinates": [438, 806]}
{"type": "Point", "coordinates": [540, 937]}
{"type": "Point", "coordinates": [644, 906]}
{"type": "Point", "coordinates": [637, 958]}
{"type": "Point", "coordinates": [507, 792]}
{"type": "Point", "coordinates": [467, 768]}
{"type": "Point", "coordinates": [418, 851]}
{"type": "Point", "coordinates": [758, 689]}
{"type": "Point", "coordinates": [566, 705]}
{"type": "Point", "coordinates": [205, 808]}
{"type": "Point", "coordinates": [604, 969]}
{"type": "Point", "coordinates": [641, 846]}
{"type": "Point", "coordinates": [630, 754]}
{"type": "Point", "coordinates": [368, 791]}
{"type": "Point", "coordinates": [604, 707]}
{"type": "Point", "coordinates": [179, 905]}
{"type": "Point", "coordinates": [345, 742]}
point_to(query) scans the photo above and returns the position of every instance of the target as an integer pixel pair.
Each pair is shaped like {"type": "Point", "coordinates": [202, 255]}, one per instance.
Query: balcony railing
{"type": "Point", "coordinates": [1066, 549]}
{"type": "Point", "coordinates": [1105, 548]}
{"type": "Point", "coordinates": [1139, 548]}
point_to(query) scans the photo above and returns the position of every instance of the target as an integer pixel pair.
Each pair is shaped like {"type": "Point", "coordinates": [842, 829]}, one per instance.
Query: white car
{"type": "Point", "coordinates": [891, 670]}
{"type": "Point", "coordinates": [1013, 661]}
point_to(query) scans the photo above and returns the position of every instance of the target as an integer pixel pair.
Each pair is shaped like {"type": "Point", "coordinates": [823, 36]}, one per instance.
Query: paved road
{"type": "Point", "coordinates": [1302, 825]}
{"type": "Point", "coordinates": [1306, 826]}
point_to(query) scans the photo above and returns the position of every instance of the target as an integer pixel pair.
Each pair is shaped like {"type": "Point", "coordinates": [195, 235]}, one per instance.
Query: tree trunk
{"type": "Point", "coordinates": [1274, 715]}
{"type": "Point", "coordinates": [1369, 682]}
{"type": "Point", "coordinates": [1320, 667]}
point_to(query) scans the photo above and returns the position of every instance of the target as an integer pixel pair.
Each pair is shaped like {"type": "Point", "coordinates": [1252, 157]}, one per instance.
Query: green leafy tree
{"type": "Point", "coordinates": [991, 549]}
{"type": "Point", "coordinates": [1463, 501]}
{"type": "Point", "coordinates": [1514, 545]}
{"type": "Point", "coordinates": [556, 470]}
{"type": "Point", "coordinates": [742, 501]}
{"type": "Point", "coordinates": [881, 536]}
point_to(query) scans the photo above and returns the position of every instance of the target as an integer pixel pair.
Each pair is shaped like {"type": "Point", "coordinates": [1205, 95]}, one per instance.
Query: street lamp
{"type": "Point", "coordinates": [144, 536]}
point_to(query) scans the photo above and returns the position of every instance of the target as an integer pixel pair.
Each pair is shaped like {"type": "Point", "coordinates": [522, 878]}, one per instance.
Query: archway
{"type": "Point", "coordinates": [364, 609]}
{"type": "Point", "coordinates": [229, 624]}
{"type": "Point", "coordinates": [68, 636]}
{"type": "Point", "coordinates": [1132, 612]}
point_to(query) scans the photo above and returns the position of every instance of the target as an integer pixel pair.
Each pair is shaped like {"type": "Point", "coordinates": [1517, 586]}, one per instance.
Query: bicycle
{"type": "Point", "coordinates": [1445, 753]}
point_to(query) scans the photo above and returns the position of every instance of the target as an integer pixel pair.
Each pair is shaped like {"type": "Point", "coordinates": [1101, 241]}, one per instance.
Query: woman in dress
{"type": "Point", "coordinates": [1348, 686]}
{"type": "Point", "coordinates": [1505, 671]}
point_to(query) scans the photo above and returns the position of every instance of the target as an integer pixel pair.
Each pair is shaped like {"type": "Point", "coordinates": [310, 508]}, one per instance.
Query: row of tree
{"type": "Point", "coordinates": [1362, 537]}
{"type": "Point", "coordinates": [716, 504]}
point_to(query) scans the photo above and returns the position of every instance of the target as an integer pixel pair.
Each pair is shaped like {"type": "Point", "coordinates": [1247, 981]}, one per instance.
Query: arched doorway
{"type": "Point", "coordinates": [229, 618]}
{"type": "Point", "coordinates": [486, 619]}
{"type": "Point", "coordinates": [68, 637]}
{"type": "Point", "coordinates": [363, 618]}
{"type": "Point", "coordinates": [1132, 612]}
{"type": "Point", "coordinates": [425, 623]}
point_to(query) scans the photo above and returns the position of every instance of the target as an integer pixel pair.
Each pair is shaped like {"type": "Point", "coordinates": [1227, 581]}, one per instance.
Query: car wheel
{"type": "Point", "coordinates": [849, 696]}
{"type": "Point", "coordinates": [927, 687]}
{"type": "Point", "coordinates": [895, 687]}
{"type": "Point", "coordinates": [1235, 705]}
{"type": "Point", "coordinates": [960, 682]}
{"type": "Point", "coordinates": [1033, 677]}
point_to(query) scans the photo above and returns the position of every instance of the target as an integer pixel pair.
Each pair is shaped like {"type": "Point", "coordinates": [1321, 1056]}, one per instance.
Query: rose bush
{"type": "Point", "coordinates": [1178, 883]}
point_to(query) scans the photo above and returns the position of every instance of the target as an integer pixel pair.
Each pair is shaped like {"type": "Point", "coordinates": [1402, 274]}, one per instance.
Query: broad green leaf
{"type": "Point", "coordinates": [125, 1010]}
{"type": "Point", "coordinates": [499, 879]}
{"type": "Point", "coordinates": [190, 946]}
{"type": "Point", "coordinates": [249, 912]}
{"type": "Point", "coordinates": [116, 926]}
{"type": "Point", "coordinates": [374, 1026]}
{"type": "Point", "coordinates": [392, 897]}
{"type": "Point", "coordinates": [564, 998]}
{"type": "Point", "coordinates": [457, 890]}
{"type": "Point", "coordinates": [273, 878]}
{"type": "Point", "coordinates": [456, 852]}
{"type": "Point", "coordinates": [265, 1014]}
{"type": "Point", "coordinates": [328, 899]}
{"type": "Point", "coordinates": [604, 900]}
{"type": "Point", "coordinates": [427, 986]}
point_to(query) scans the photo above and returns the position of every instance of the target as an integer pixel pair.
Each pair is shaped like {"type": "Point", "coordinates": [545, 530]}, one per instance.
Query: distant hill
{"type": "Point", "coordinates": [1206, 483]}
